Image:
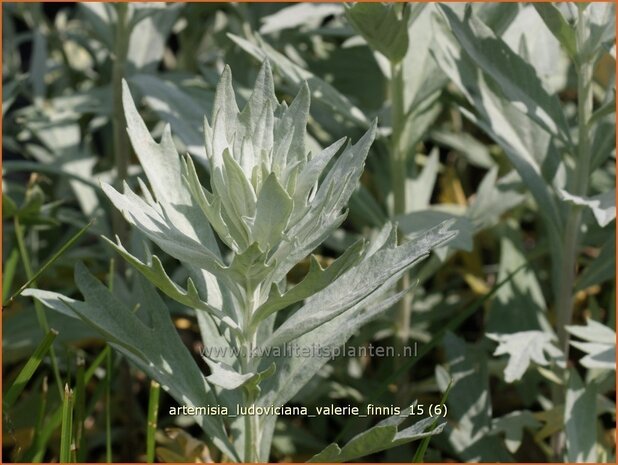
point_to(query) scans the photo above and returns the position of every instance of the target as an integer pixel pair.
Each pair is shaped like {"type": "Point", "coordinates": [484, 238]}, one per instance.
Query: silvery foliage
{"type": "Point", "coordinates": [271, 203]}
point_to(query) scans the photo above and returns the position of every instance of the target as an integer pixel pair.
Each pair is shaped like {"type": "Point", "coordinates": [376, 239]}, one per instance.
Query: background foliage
{"type": "Point", "coordinates": [498, 116]}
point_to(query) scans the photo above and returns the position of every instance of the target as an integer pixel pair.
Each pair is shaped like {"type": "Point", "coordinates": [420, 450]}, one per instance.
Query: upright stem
{"type": "Point", "coordinates": [398, 173]}
{"type": "Point", "coordinates": [570, 246]}
{"type": "Point", "coordinates": [251, 422]}
{"type": "Point", "coordinates": [121, 140]}
{"type": "Point", "coordinates": [564, 301]}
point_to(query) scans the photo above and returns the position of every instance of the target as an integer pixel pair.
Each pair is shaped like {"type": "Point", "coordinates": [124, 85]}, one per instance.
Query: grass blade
{"type": "Point", "coordinates": [422, 448]}
{"type": "Point", "coordinates": [44, 432]}
{"type": "Point", "coordinates": [36, 440]}
{"type": "Point", "coordinates": [66, 432]}
{"type": "Point", "coordinates": [153, 411]}
{"type": "Point", "coordinates": [95, 364]}
{"type": "Point", "coordinates": [40, 313]}
{"type": "Point", "coordinates": [80, 408]}
{"type": "Point", "coordinates": [28, 370]}
{"type": "Point", "coordinates": [108, 409]}
{"type": "Point", "coordinates": [33, 277]}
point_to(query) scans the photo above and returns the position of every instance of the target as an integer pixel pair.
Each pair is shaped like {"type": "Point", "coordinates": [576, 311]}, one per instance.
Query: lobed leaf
{"type": "Point", "coordinates": [523, 348]}
{"type": "Point", "coordinates": [383, 436]}
{"type": "Point", "coordinates": [316, 279]}
{"type": "Point", "coordinates": [358, 284]}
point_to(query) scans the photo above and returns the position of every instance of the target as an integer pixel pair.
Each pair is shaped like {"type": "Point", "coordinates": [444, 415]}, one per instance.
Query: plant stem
{"type": "Point", "coordinates": [568, 264]}
{"type": "Point", "coordinates": [80, 410]}
{"type": "Point", "coordinates": [108, 406]}
{"type": "Point", "coordinates": [251, 422]}
{"type": "Point", "coordinates": [564, 300]}
{"type": "Point", "coordinates": [398, 173]}
{"type": "Point", "coordinates": [153, 410]}
{"type": "Point", "coordinates": [119, 124]}
{"type": "Point", "coordinates": [66, 432]}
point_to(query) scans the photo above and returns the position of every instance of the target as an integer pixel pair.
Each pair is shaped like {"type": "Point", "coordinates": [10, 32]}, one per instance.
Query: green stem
{"type": "Point", "coordinates": [568, 264]}
{"type": "Point", "coordinates": [399, 175]}
{"type": "Point", "coordinates": [119, 124]}
{"type": "Point", "coordinates": [108, 378]}
{"type": "Point", "coordinates": [66, 432]}
{"type": "Point", "coordinates": [108, 406]}
{"type": "Point", "coordinates": [153, 410]}
{"type": "Point", "coordinates": [251, 422]}
{"type": "Point", "coordinates": [80, 410]}
{"type": "Point", "coordinates": [564, 300]}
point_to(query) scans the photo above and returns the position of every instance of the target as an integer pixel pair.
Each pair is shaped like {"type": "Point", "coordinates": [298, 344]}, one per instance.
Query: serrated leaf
{"type": "Point", "coordinates": [258, 112]}
{"type": "Point", "coordinates": [594, 332]}
{"type": "Point", "coordinates": [225, 104]}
